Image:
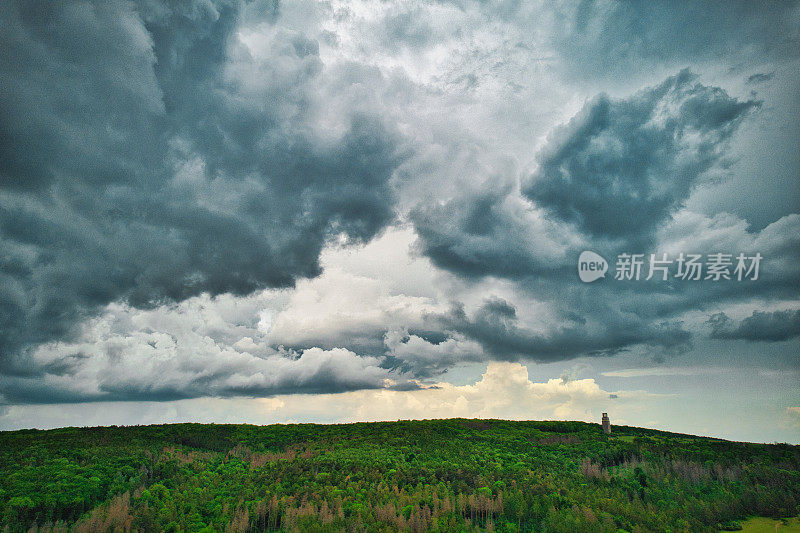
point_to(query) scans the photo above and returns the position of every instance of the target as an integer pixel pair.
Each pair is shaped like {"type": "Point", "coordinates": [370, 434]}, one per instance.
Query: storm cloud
{"type": "Point", "coordinates": [614, 178]}
{"type": "Point", "coordinates": [620, 168]}
{"type": "Point", "coordinates": [148, 155]}
{"type": "Point", "coordinates": [496, 327]}
{"type": "Point", "coordinates": [611, 177]}
{"type": "Point", "coordinates": [490, 231]}
{"type": "Point", "coordinates": [229, 198]}
{"type": "Point", "coordinates": [763, 326]}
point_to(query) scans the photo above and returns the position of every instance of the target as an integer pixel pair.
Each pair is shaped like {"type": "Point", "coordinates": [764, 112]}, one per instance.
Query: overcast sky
{"type": "Point", "coordinates": [335, 211]}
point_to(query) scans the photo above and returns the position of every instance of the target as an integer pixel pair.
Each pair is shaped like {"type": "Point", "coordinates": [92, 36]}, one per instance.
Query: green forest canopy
{"type": "Point", "coordinates": [428, 475]}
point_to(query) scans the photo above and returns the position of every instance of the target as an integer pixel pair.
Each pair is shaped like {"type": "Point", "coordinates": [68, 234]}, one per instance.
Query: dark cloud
{"type": "Point", "coordinates": [485, 232]}
{"type": "Point", "coordinates": [495, 326]}
{"type": "Point", "coordinates": [612, 180]}
{"type": "Point", "coordinates": [151, 152]}
{"type": "Point", "coordinates": [148, 156]}
{"type": "Point", "coordinates": [621, 167]}
{"type": "Point", "coordinates": [79, 96]}
{"type": "Point", "coordinates": [763, 326]}
{"type": "Point", "coordinates": [760, 77]}
{"type": "Point", "coordinates": [613, 46]}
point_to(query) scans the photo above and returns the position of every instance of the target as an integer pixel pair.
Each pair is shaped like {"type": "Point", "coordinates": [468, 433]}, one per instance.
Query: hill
{"type": "Point", "coordinates": [429, 475]}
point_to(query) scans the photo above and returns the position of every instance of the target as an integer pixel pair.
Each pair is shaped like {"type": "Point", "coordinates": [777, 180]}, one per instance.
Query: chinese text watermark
{"type": "Point", "coordinates": [661, 267]}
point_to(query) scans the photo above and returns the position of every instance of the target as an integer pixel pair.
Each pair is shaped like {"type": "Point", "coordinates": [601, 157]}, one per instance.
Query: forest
{"type": "Point", "coordinates": [428, 475]}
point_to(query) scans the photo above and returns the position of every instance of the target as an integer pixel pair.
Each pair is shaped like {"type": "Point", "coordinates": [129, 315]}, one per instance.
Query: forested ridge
{"type": "Point", "coordinates": [429, 475]}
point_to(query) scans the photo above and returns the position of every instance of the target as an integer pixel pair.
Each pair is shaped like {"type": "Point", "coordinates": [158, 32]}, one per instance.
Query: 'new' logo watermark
{"type": "Point", "coordinates": [591, 266]}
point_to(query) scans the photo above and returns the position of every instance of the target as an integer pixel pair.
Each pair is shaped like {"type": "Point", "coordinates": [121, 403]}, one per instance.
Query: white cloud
{"type": "Point", "coordinates": [203, 347]}
{"type": "Point", "coordinates": [424, 356]}
{"type": "Point", "coordinates": [363, 292]}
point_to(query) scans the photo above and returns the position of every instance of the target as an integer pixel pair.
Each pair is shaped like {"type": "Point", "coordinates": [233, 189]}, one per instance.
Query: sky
{"type": "Point", "coordinates": [262, 212]}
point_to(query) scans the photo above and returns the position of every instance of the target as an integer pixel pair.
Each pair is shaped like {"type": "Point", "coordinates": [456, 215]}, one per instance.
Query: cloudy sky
{"type": "Point", "coordinates": [334, 211]}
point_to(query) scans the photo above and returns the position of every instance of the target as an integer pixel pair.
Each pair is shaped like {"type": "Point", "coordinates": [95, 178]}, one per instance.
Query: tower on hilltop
{"type": "Point", "coordinates": [606, 424]}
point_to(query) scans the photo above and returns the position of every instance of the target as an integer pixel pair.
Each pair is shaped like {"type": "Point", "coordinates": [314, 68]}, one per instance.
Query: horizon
{"type": "Point", "coordinates": [774, 443]}
{"type": "Point", "coordinates": [330, 212]}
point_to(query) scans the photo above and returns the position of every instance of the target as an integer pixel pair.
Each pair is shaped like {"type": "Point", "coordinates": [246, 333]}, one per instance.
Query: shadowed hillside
{"type": "Point", "coordinates": [430, 475]}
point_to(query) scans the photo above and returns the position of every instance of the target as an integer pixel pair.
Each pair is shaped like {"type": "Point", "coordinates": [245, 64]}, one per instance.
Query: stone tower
{"type": "Point", "coordinates": [606, 424]}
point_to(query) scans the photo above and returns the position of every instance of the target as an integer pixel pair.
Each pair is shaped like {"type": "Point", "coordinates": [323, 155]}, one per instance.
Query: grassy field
{"type": "Point", "coordinates": [769, 525]}
{"type": "Point", "coordinates": [430, 475]}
